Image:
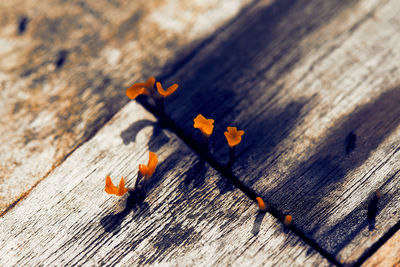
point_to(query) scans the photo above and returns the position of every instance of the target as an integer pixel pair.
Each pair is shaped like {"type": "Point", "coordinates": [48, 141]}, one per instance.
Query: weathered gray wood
{"type": "Point", "coordinates": [315, 86]}
{"type": "Point", "coordinates": [64, 66]}
{"type": "Point", "coordinates": [190, 217]}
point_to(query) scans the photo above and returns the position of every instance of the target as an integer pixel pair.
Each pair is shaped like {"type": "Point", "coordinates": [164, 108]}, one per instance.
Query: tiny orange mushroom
{"type": "Point", "coordinates": [167, 92]}
{"type": "Point", "coordinates": [233, 136]}
{"type": "Point", "coordinates": [148, 170]}
{"type": "Point", "coordinates": [288, 220]}
{"type": "Point", "coordinates": [205, 125]}
{"type": "Point", "coordinates": [141, 88]}
{"type": "Point", "coordinates": [261, 204]}
{"type": "Point", "coordinates": [113, 190]}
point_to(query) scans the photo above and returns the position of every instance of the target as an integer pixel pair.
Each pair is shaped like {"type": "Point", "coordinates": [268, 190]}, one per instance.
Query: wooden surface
{"type": "Point", "coordinates": [314, 84]}
{"type": "Point", "coordinates": [190, 217]}
{"type": "Point", "coordinates": [64, 67]}
{"type": "Point", "coordinates": [318, 97]}
{"type": "Point", "coordinates": [388, 255]}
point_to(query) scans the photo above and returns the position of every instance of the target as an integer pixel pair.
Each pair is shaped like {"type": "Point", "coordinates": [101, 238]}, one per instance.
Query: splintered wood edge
{"type": "Point", "coordinates": [191, 216]}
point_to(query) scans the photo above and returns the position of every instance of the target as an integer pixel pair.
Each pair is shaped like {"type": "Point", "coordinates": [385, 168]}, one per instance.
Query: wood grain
{"type": "Point", "coordinates": [190, 217]}
{"type": "Point", "coordinates": [316, 88]}
{"type": "Point", "coordinates": [64, 66]}
{"type": "Point", "coordinates": [388, 255]}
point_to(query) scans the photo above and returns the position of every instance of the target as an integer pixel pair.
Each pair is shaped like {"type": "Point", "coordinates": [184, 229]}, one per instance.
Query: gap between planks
{"type": "Point", "coordinates": [78, 76]}
{"type": "Point", "coordinates": [187, 222]}
{"type": "Point", "coordinates": [372, 87]}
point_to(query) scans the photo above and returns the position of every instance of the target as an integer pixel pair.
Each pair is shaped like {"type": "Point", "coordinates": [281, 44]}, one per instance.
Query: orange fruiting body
{"type": "Point", "coordinates": [167, 92]}
{"type": "Point", "coordinates": [233, 136]}
{"type": "Point", "coordinates": [288, 220]}
{"type": "Point", "coordinates": [113, 190]}
{"type": "Point", "coordinates": [205, 125]}
{"type": "Point", "coordinates": [149, 169]}
{"type": "Point", "coordinates": [141, 88]}
{"type": "Point", "coordinates": [261, 204]}
{"type": "Point", "coordinates": [133, 92]}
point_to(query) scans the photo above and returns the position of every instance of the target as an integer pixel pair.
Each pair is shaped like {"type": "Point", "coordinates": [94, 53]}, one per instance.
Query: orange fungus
{"type": "Point", "coordinates": [233, 136]}
{"type": "Point", "coordinates": [149, 169]}
{"type": "Point", "coordinates": [141, 88]}
{"type": "Point", "coordinates": [205, 125]}
{"type": "Point", "coordinates": [113, 190]}
{"type": "Point", "coordinates": [288, 220]}
{"type": "Point", "coordinates": [167, 92]}
{"type": "Point", "coordinates": [261, 204]}
{"type": "Point", "coordinates": [133, 92]}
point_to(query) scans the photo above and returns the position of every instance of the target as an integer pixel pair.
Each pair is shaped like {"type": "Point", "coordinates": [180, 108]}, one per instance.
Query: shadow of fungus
{"type": "Point", "coordinates": [112, 222]}
{"type": "Point", "coordinates": [196, 174]}
{"type": "Point", "coordinates": [175, 235]}
{"type": "Point", "coordinates": [257, 222]}
{"type": "Point", "coordinates": [157, 138]}
{"type": "Point", "coordinates": [194, 177]}
{"type": "Point", "coordinates": [304, 193]}
{"type": "Point", "coordinates": [136, 197]}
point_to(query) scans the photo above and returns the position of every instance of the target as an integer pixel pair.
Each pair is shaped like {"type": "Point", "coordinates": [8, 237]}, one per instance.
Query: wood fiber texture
{"type": "Point", "coordinates": [388, 255]}
{"type": "Point", "coordinates": [64, 66]}
{"type": "Point", "coordinates": [315, 86]}
{"type": "Point", "coordinates": [191, 215]}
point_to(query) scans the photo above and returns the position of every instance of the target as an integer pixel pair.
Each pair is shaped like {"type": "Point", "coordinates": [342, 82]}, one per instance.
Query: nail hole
{"type": "Point", "coordinates": [22, 25]}
{"type": "Point", "coordinates": [62, 56]}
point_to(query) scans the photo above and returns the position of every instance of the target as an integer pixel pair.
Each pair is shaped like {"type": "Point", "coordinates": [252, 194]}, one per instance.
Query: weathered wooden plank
{"type": "Point", "coordinates": [388, 255]}
{"type": "Point", "coordinates": [190, 216]}
{"type": "Point", "coordinates": [315, 87]}
{"type": "Point", "coordinates": [64, 66]}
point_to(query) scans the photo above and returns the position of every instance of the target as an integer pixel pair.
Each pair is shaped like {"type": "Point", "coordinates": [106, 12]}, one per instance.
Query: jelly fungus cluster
{"type": "Point", "coordinates": [155, 91]}
{"type": "Point", "coordinates": [147, 88]}
{"type": "Point", "coordinates": [144, 174]}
